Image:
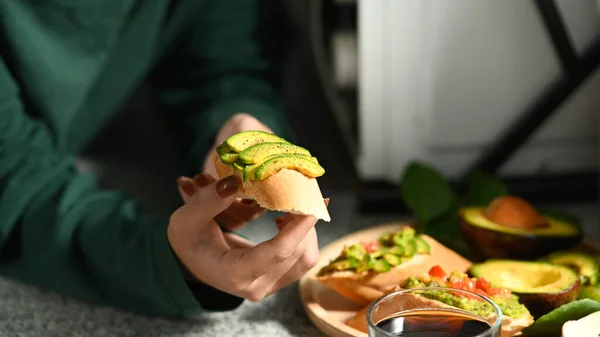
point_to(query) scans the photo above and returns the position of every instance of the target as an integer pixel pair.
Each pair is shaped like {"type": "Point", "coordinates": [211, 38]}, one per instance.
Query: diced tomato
{"type": "Point", "coordinates": [437, 271]}
{"type": "Point", "coordinates": [481, 292]}
{"type": "Point", "coordinates": [500, 292]}
{"type": "Point", "coordinates": [483, 284]}
{"type": "Point", "coordinates": [456, 284]}
{"type": "Point", "coordinates": [371, 246]}
{"type": "Point", "coordinates": [468, 284]}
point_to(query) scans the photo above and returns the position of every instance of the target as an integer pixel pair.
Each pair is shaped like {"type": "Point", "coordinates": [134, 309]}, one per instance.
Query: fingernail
{"type": "Point", "coordinates": [249, 202]}
{"type": "Point", "coordinates": [227, 187]}
{"type": "Point", "coordinates": [202, 180]}
{"type": "Point", "coordinates": [280, 222]}
{"type": "Point", "coordinates": [326, 202]}
{"type": "Point", "coordinates": [186, 186]}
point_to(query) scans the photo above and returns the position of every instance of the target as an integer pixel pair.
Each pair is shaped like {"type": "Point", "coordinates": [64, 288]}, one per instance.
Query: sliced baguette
{"type": "Point", "coordinates": [286, 191]}
{"type": "Point", "coordinates": [364, 288]}
{"type": "Point", "coordinates": [510, 325]}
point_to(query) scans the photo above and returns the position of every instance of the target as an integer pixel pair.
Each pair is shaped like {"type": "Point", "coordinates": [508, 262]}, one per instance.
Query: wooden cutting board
{"type": "Point", "coordinates": [329, 311]}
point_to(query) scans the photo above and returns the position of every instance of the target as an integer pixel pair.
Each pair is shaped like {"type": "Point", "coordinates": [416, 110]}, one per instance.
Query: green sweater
{"type": "Point", "coordinates": [66, 69]}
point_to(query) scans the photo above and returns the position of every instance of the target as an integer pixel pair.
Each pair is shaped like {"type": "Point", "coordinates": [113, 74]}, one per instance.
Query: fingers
{"type": "Point", "coordinates": [186, 187]}
{"type": "Point", "coordinates": [309, 258]}
{"type": "Point", "coordinates": [237, 215]}
{"type": "Point", "coordinates": [236, 241]}
{"type": "Point", "coordinates": [273, 258]}
{"type": "Point", "coordinates": [307, 261]}
{"type": "Point", "coordinates": [212, 198]}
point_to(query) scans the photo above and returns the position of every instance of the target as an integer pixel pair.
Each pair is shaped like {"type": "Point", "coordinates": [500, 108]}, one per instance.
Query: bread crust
{"type": "Point", "coordinates": [285, 191]}
{"type": "Point", "coordinates": [510, 326]}
{"type": "Point", "coordinates": [364, 288]}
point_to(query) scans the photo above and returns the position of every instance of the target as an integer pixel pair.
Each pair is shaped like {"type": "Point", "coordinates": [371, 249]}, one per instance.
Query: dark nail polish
{"type": "Point", "coordinates": [202, 180]}
{"type": "Point", "coordinates": [187, 187]}
{"type": "Point", "coordinates": [227, 187]}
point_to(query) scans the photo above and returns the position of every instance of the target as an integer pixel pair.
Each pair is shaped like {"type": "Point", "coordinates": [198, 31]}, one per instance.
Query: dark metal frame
{"type": "Point", "coordinates": [384, 197]}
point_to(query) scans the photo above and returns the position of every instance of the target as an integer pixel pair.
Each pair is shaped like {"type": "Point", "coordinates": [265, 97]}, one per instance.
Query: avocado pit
{"type": "Point", "coordinates": [514, 212]}
{"type": "Point", "coordinates": [511, 228]}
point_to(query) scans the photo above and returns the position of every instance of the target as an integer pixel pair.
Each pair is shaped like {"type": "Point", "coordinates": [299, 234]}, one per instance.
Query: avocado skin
{"type": "Point", "coordinates": [538, 303]}
{"type": "Point", "coordinates": [259, 153]}
{"type": "Point", "coordinates": [298, 163]}
{"type": "Point", "coordinates": [541, 304]}
{"type": "Point", "coordinates": [524, 246]}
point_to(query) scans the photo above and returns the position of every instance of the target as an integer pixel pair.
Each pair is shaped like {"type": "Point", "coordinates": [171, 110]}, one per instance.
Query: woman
{"type": "Point", "coordinates": [66, 69]}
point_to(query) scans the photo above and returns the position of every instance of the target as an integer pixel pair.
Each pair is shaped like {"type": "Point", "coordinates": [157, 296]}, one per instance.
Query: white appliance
{"type": "Point", "coordinates": [439, 80]}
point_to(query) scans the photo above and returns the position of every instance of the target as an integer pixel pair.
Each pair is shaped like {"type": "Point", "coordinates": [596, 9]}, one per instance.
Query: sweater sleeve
{"type": "Point", "coordinates": [58, 231]}
{"type": "Point", "coordinates": [222, 67]}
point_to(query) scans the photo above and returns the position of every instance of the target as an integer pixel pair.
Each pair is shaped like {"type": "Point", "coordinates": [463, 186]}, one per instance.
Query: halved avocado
{"type": "Point", "coordinates": [258, 153]}
{"type": "Point", "coordinates": [591, 292]}
{"type": "Point", "coordinates": [493, 240]}
{"type": "Point", "coordinates": [243, 140]}
{"type": "Point", "coordinates": [583, 264]}
{"type": "Point", "coordinates": [541, 287]}
{"type": "Point", "coordinates": [291, 162]}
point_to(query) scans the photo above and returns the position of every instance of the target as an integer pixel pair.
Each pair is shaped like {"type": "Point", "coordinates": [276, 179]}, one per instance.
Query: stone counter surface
{"type": "Point", "coordinates": [25, 311]}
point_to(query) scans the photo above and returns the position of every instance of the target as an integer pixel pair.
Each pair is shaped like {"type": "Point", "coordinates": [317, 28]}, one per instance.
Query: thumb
{"type": "Point", "coordinates": [213, 198]}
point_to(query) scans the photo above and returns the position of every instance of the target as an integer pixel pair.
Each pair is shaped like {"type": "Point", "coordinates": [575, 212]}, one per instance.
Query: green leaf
{"type": "Point", "coordinates": [483, 189]}
{"type": "Point", "coordinates": [445, 224]}
{"type": "Point", "coordinates": [425, 192]}
{"type": "Point", "coordinates": [552, 322]}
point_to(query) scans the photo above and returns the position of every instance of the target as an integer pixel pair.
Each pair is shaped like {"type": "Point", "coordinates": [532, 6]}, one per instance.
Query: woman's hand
{"type": "Point", "coordinates": [235, 216]}
{"type": "Point", "coordinates": [228, 262]}
{"type": "Point", "coordinates": [237, 123]}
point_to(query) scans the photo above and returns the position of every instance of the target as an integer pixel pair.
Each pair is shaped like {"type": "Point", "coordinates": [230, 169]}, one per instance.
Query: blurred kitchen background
{"type": "Point", "coordinates": [507, 87]}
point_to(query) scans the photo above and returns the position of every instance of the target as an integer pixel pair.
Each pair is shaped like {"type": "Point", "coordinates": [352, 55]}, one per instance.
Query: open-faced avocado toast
{"type": "Point", "coordinates": [516, 315]}
{"type": "Point", "coordinates": [541, 286]}
{"type": "Point", "coordinates": [364, 271]}
{"type": "Point", "coordinates": [277, 174]}
{"type": "Point", "coordinates": [511, 228]}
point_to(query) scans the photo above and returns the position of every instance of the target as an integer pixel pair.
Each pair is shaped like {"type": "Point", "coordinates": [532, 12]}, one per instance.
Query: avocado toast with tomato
{"type": "Point", "coordinates": [365, 271]}
{"type": "Point", "coordinates": [516, 316]}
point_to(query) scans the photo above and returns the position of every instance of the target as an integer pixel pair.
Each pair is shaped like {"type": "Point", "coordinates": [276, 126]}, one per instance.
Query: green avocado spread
{"type": "Point", "coordinates": [509, 306]}
{"type": "Point", "coordinates": [392, 249]}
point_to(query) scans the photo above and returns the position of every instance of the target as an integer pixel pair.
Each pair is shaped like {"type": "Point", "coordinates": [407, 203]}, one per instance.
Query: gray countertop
{"type": "Point", "coordinates": [25, 311]}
